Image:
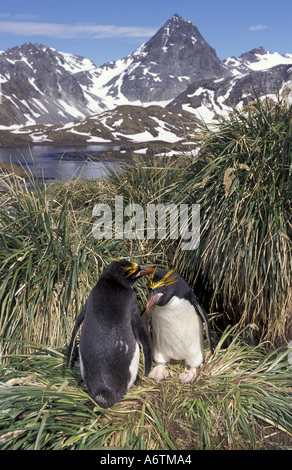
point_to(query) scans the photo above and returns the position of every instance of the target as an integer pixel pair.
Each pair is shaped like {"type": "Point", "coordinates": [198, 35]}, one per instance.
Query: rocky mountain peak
{"type": "Point", "coordinates": [173, 58]}
{"type": "Point", "coordinates": [176, 27]}
{"type": "Point", "coordinates": [176, 19]}
{"type": "Point", "coordinates": [175, 32]}
{"type": "Point", "coordinates": [253, 55]}
{"type": "Point", "coordinates": [39, 85]}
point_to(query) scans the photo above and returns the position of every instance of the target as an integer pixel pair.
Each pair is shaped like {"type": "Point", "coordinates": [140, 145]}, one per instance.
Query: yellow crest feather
{"type": "Point", "coordinates": [129, 269]}
{"type": "Point", "coordinates": [169, 278]}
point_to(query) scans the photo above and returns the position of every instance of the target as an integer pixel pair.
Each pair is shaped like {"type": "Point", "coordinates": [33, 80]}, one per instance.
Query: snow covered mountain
{"type": "Point", "coordinates": [163, 67]}
{"type": "Point", "coordinates": [206, 99]}
{"type": "Point", "coordinates": [43, 86]}
{"type": "Point", "coordinates": [40, 85]}
{"type": "Point", "coordinates": [256, 73]}
{"type": "Point", "coordinates": [255, 60]}
{"type": "Point", "coordinates": [176, 68]}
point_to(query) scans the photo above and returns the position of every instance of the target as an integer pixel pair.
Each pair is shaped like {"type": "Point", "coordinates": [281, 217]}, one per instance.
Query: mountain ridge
{"type": "Point", "coordinates": [206, 99]}
{"type": "Point", "coordinates": [125, 123]}
{"type": "Point", "coordinates": [176, 68]}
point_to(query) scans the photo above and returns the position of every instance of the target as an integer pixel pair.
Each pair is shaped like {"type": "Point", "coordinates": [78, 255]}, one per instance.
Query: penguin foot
{"type": "Point", "coordinates": [160, 372]}
{"type": "Point", "coordinates": [188, 376]}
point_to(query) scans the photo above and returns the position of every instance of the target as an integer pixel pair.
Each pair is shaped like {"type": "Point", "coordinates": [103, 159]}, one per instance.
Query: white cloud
{"type": "Point", "coordinates": [66, 31]}
{"type": "Point", "coordinates": [259, 27]}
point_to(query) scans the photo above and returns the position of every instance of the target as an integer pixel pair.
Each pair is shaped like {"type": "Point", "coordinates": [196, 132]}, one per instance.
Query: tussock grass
{"type": "Point", "coordinates": [49, 258]}
{"type": "Point", "coordinates": [8, 168]}
{"type": "Point", "coordinates": [240, 400]}
{"type": "Point", "coordinates": [49, 261]}
{"type": "Point", "coordinates": [242, 181]}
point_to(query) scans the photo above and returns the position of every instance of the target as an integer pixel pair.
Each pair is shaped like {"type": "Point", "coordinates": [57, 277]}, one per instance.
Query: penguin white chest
{"type": "Point", "coordinates": [134, 367]}
{"type": "Point", "coordinates": [177, 332]}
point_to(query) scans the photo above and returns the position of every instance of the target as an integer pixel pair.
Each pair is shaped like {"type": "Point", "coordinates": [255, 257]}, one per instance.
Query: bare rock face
{"type": "Point", "coordinates": [38, 87]}
{"type": "Point", "coordinates": [176, 56]}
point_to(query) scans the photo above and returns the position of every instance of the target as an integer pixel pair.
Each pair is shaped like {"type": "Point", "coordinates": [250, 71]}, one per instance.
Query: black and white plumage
{"type": "Point", "coordinates": [111, 334]}
{"type": "Point", "coordinates": [177, 329]}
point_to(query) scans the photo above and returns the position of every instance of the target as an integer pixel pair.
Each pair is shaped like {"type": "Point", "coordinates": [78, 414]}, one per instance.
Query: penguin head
{"type": "Point", "coordinates": [163, 286]}
{"type": "Point", "coordinates": [126, 271]}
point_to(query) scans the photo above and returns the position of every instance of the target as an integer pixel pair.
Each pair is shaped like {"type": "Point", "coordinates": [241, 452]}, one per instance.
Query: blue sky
{"type": "Point", "coordinates": [105, 30]}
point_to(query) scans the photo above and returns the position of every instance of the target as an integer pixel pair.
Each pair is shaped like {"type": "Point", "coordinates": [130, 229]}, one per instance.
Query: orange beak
{"type": "Point", "coordinates": [145, 271]}
{"type": "Point", "coordinates": [153, 299]}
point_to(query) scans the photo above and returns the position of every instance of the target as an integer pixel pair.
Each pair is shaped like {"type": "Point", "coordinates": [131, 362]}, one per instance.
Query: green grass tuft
{"type": "Point", "coordinates": [240, 400]}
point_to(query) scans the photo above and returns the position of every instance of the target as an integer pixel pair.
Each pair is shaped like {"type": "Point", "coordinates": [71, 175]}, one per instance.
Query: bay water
{"type": "Point", "coordinates": [51, 162]}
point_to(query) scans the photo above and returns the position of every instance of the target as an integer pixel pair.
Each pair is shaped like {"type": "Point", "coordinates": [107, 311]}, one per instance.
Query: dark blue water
{"type": "Point", "coordinates": [51, 162]}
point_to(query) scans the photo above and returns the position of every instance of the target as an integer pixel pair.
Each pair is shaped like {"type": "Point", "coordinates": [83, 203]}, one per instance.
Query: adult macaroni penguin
{"type": "Point", "coordinates": [177, 329]}
{"type": "Point", "coordinates": [111, 334]}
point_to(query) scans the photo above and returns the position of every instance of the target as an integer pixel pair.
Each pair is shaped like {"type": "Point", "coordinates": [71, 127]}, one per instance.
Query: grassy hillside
{"type": "Point", "coordinates": [121, 124]}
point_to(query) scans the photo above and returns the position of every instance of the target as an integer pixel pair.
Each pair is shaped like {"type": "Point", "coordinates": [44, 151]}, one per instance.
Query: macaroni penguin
{"type": "Point", "coordinates": [111, 334]}
{"type": "Point", "coordinates": [177, 329]}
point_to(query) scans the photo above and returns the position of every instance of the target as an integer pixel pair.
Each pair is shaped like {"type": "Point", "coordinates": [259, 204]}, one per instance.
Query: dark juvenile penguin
{"type": "Point", "coordinates": [177, 329]}
{"type": "Point", "coordinates": [111, 334]}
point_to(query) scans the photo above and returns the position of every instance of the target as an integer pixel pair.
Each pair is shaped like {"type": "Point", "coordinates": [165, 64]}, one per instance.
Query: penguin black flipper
{"type": "Point", "coordinates": [74, 333]}
{"type": "Point", "coordinates": [143, 337]}
{"type": "Point", "coordinates": [204, 316]}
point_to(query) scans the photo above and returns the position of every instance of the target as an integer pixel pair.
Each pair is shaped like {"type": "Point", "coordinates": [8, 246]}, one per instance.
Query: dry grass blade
{"type": "Point", "coordinates": [241, 394]}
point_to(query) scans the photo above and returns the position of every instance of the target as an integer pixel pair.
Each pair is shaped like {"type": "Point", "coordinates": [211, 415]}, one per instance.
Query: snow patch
{"type": "Point", "coordinates": [269, 60]}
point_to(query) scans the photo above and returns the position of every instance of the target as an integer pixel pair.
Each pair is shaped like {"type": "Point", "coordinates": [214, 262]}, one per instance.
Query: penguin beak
{"type": "Point", "coordinates": [144, 272]}
{"type": "Point", "coordinates": [153, 299]}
